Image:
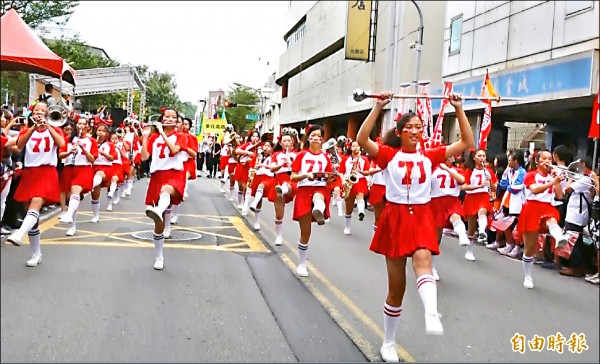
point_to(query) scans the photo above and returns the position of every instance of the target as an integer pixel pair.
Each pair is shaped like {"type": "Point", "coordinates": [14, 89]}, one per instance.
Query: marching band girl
{"type": "Point", "coordinates": [246, 153]}
{"type": "Point", "coordinates": [337, 186]}
{"type": "Point", "coordinates": [480, 182]}
{"type": "Point", "coordinates": [446, 207]}
{"type": "Point", "coordinates": [118, 177]}
{"type": "Point", "coordinates": [262, 182]}
{"type": "Point", "coordinates": [103, 168]}
{"type": "Point", "coordinates": [190, 163]}
{"type": "Point", "coordinates": [232, 166]}
{"type": "Point", "coordinates": [78, 175]}
{"type": "Point", "coordinates": [377, 192]}
{"type": "Point", "coordinates": [6, 123]}
{"type": "Point", "coordinates": [284, 191]}
{"type": "Point", "coordinates": [125, 148]}
{"type": "Point", "coordinates": [167, 180]}
{"type": "Point", "coordinates": [223, 164]}
{"type": "Point", "coordinates": [538, 214]}
{"type": "Point", "coordinates": [131, 138]}
{"type": "Point", "coordinates": [406, 226]}
{"type": "Point", "coordinates": [39, 179]}
{"type": "Point", "coordinates": [355, 165]}
{"type": "Point", "coordinates": [312, 170]}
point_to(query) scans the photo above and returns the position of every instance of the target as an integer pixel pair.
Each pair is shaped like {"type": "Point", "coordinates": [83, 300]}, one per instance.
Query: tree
{"type": "Point", "coordinates": [160, 91]}
{"type": "Point", "coordinates": [36, 13]}
{"type": "Point", "coordinates": [237, 115]}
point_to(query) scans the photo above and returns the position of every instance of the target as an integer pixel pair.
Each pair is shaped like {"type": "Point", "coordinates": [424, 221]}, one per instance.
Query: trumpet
{"type": "Point", "coordinates": [575, 172]}
{"type": "Point", "coordinates": [38, 120]}
{"type": "Point", "coordinates": [359, 95]}
{"type": "Point", "coordinates": [120, 132]}
{"type": "Point", "coordinates": [135, 124]}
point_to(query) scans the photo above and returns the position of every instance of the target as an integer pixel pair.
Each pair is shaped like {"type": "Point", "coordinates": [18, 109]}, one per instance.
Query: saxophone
{"type": "Point", "coordinates": [353, 177]}
{"type": "Point", "coordinates": [252, 171]}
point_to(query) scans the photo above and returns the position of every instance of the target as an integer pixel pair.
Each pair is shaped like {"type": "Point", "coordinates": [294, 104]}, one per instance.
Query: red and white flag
{"type": "Point", "coordinates": [436, 138]}
{"type": "Point", "coordinates": [595, 124]}
{"type": "Point", "coordinates": [486, 123]}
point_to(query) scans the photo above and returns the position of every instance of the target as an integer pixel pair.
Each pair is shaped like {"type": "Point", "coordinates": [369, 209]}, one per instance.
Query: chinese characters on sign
{"type": "Point", "coordinates": [360, 4]}
{"type": "Point", "coordinates": [575, 344]}
{"type": "Point", "coordinates": [358, 30]}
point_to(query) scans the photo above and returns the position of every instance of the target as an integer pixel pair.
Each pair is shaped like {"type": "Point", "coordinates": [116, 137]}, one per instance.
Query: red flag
{"type": "Point", "coordinates": [486, 123]}
{"type": "Point", "coordinates": [595, 124]}
{"type": "Point", "coordinates": [436, 139]}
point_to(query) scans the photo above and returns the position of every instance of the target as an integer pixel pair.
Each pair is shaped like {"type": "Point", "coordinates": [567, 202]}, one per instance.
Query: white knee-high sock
{"type": "Point", "coordinates": [284, 189]}
{"type": "Point", "coordinates": [97, 181]}
{"type": "Point", "coordinates": [482, 223]}
{"type": "Point", "coordinates": [428, 291]}
{"type": "Point", "coordinates": [34, 240]}
{"type": "Point", "coordinates": [340, 204]}
{"type": "Point", "coordinates": [112, 189]}
{"type": "Point", "coordinates": [434, 261]}
{"type": "Point", "coordinates": [319, 205]}
{"type": "Point", "coordinates": [391, 318]}
{"type": "Point", "coordinates": [167, 218]}
{"type": "Point", "coordinates": [347, 220]}
{"type": "Point", "coordinates": [96, 207]}
{"type": "Point", "coordinates": [74, 223]}
{"type": "Point", "coordinates": [163, 202]}
{"type": "Point", "coordinates": [3, 197]}
{"type": "Point", "coordinates": [159, 242]}
{"type": "Point", "coordinates": [302, 253]}
{"type": "Point", "coordinates": [361, 206]}
{"type": "Point", "coordinates": [30, 220]}
{"type": "Point", "coordinates": [279, 227]}
{"type": "Point", "coordinates": [240, 198]}
{"type": "Point", "coordinates": [73, 204]}
{"type": "Point", "coordinates": [117, 196]}
{"type": "Point", "coordinates": [256, 216]}
{"type": "Point", "coordinates": [527, 265]}
{"type": "Point", "coordinates": [175, 211]}
{"type": "Point", "coordinates": [555, 231]}
{"type": "Point", "coordinates": [460, 229]}
{"type": "Point", "coordinates": [247, 199]}
{"type": "Point", "coordinates": [259, 194]}
{"type": "Point", "coordinates": [129, 185]}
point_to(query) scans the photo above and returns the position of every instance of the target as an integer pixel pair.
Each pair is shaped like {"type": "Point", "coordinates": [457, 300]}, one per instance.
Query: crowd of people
{"type": "Point", "coordinates": [537, 211]}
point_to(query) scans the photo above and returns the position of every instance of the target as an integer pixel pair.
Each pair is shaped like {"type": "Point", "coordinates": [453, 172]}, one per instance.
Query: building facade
{"type": "Point", "coordinates": [317, 82]}
{"type": "Point", "coordinates": [546, 52]}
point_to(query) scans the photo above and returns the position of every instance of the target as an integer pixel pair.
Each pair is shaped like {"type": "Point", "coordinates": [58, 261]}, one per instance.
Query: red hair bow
{"type": "Point", "coordinates": [163, 109]}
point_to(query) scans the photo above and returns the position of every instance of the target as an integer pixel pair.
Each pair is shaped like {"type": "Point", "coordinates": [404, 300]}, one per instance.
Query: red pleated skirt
{"type": "Point", "coordinates": [82, 176]}
{"type": "Point", "coordinates": [443, 207]}
{"type": "Point", "coordinates": [360, 187]}
{"type": "Point", "coordinates": [267, 181]}
{"type": "Point", "coordinates": [170, 177]}
{"type": "Point", "coordinates": [475, 201]}
{"type": "Point", "coordinates": [534, 215]}
{"type": "Point", "coordinates": [39, 181]}
{"type": "Point", "coordinates": [190, 167]}
{"type": "Point", "coordinates": [377, 194]}
{"type": "Point", "coordinates": [241, 172]}
{"type": "Point", "coordinates": [334, 184]}
{"type": "Point", "coordinates": [223, 163]}
{"type": "Point", "coordinates": [400, 233]}
{"type": "Point", "coordinates": [108, 172]}
{"type": "Point", "coordinates": [118, 171]}
{"type": "Point", "coordinates": [303, 201]}
{"type": "Point", "coordinates": [280, 179]}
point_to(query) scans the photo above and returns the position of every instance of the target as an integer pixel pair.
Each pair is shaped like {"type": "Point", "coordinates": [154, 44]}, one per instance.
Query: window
{"type": "Point", "coordinates": [455, 35]}
{"type": "Point", "coordinates": [297, 33]}
{"type": "Point", "coordinates": [576, 7]}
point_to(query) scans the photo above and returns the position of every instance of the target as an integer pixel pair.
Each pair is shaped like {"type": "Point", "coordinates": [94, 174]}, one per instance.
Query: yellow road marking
{"type": "Point", "coordinates": [142, 244]}
{"type": "Point", "coordinates": [251, 239]}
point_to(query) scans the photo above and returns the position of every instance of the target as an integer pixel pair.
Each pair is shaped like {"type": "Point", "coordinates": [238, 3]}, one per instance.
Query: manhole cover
{"type": "Point", "coordinates": [176, 235]}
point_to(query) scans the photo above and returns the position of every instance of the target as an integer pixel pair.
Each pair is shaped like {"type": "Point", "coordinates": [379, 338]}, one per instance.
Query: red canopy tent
{"type": "Point", "coordinates": [22, 50]}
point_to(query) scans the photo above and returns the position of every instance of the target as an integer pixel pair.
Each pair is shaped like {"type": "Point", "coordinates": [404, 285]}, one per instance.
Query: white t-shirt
{"type": "Point", "coordinates": [577, 208]}
{"type": "Point", "coordinates": [162, 159]}
{"type": "Point", "coordinates": [40, 150]}
{"type": "Point", "coordinates": [536, 178]}
{"type": "Point", "coordinates": [308, 162]}
{"type": "Point", "coordinates": [443, 184]}
{"type": "Point", "coordinates": [88, 144]}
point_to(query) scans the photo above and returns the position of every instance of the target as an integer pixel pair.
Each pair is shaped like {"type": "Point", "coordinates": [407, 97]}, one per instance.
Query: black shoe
{"type": "Point", "coordinates": [361, 216]}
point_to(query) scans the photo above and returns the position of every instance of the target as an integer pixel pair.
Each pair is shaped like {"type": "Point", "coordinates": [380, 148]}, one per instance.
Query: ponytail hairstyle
{"type": "Point", "coordinates": [390, 138]}
{"type": "Point", "coordinates": [470, 161]}
{"type": "Point", "coordinates": [309, 129]}
{"type": "Point", "coordinates": [164, 110]}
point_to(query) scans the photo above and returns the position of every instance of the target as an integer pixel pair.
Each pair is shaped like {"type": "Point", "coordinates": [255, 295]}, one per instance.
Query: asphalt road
{"type": "Point", "coordinates": [225, 297]}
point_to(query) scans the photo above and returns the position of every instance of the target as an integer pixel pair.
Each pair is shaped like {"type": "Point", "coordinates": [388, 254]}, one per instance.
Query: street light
{"type": "Point", "coordinates": [262, 99]}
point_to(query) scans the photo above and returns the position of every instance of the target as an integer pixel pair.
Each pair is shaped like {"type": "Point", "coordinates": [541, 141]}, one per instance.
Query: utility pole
{"type": "Point", "coordinates": [418, 46]}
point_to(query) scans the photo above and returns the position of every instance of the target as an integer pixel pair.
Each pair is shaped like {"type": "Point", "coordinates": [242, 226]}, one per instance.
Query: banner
{"type": "Point", "coordinates": [358, 30]}
{"type": "Point", "coordinates": [486, 123]}
{"type": "Point", "coordinates": [215, 127]}
{"type": "Point", "coordinates": [436, 139]}
{"type": "Point", "coordinates": [595, 124]}
{"type": "Point", "coordinates": [423, 106]}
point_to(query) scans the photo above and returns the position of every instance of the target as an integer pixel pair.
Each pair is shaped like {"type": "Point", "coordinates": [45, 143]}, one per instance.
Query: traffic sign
{"type": "Point", "coordinates": [252, 117]}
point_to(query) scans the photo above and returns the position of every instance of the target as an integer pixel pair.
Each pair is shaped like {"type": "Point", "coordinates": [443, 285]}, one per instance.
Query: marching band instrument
{"type": "Point", "coordinates": [330, 147]}
{"type": "Point", "coordinates": [75, 150]}
{"type": "Point", "coordinates": [489, 187]}
{"type": "Point", "coordinates": [360, 95]}
{"type": "Point", "coordinates": [574, 172]}
{"type": "Point", "coordinates": [289, 161]}
{"type": "Point", "coordinates": [252, 171]}
{"type": "Point", "coordinates": [120, 132]}
{"type": "Point", "coordinates": [57, 115]}
{"type": "Point", "coordinates": [352, 179]}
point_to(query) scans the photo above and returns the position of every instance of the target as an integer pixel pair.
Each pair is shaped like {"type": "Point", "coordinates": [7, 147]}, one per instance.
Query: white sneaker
{"type": "Point", "coordinates": [482, 238]}
{"type": "Point", "coordinates": [340, 213]}
{"type": "Point", "coordinates": [301, 271]}
{"type": "Point", "coordinates": [109, 207]}
{"type": "Point", "coordinates": [36, 259]}
{"type": "Point", "coordinates": [279, 241]}
{"type": "Point", "coordinates": [347, 231]}
{"type": "Point", "coordinates": [244, 212]}
{"type": "Point", "coordinates": [15, 238]}
{"type": "Point", "coordinates": [66, 218]}
{"type": "Point", "coordinates": [95, 219]}
{"type": "Point", "coordinates": [71, 231]}
{"type": "Point", "coordinates": [435, 274]}
{"type": "Point", "coordinates": [239, 206]}
{"type": "Point", "coordinates": [153, 214]}
{"type": "Point", "coordinates": [124, 194]}
{"type": "Point", "coordinates": [167, 233]}
{"type": "Point", "coordinates": [185, 194]}
{"type": "Point", "coordinates": [469, 256]}
{"type": "Point", "coordinates": [231, 198]}
{"type": "Point", "coordinates": [257, 225]}
{"type": "Point", "coordinates": [127, 192]}
{"type": "Point", "coordinates": [433, 325]}
{"type": "Point", "coordinates": [505, 250]}
{"type": "Point", "coordinates": [528, 283]}
{"type": "Point", "coordinates": [174, 220]}
{"type": "Point", "coordinates": [159, 263]}
{"type": "Point", "coordinates": [388, 353]}
{"type": "Point", "coordinates": [222, 190]}
{"type": "Point", "coordinates": [116, 202]}
{"type": "Point", "coordinates": [327, 220]}
{"type": "Point", "coordinates": [463, 240]}
{"type": "Point", "coordinates": [62, 213]}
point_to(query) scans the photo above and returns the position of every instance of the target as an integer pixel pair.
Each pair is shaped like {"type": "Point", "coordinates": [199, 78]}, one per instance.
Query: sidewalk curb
{"type": "Point", "coordinates": [47, 216]}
